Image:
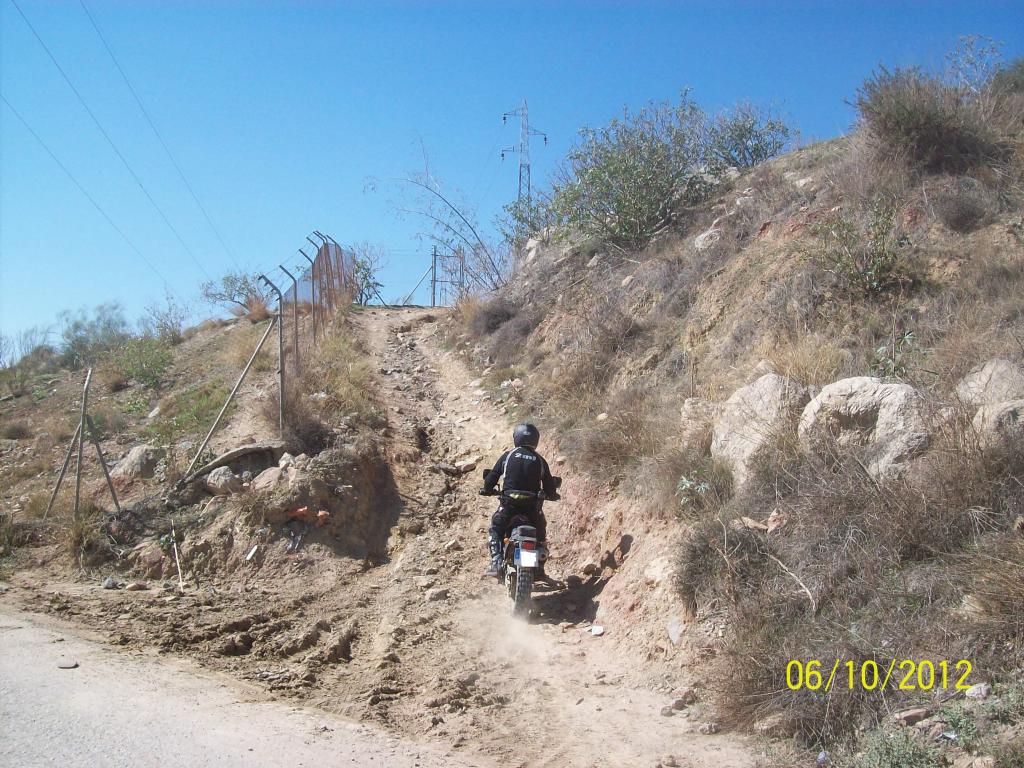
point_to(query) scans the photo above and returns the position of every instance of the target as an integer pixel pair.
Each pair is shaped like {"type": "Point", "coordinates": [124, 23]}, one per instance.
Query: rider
{"type": "Point", "coordinates": [526, 474]}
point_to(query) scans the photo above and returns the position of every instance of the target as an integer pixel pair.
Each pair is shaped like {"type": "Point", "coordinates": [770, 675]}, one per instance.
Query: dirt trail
{"type": "Point", "coordinates": [573, 689]}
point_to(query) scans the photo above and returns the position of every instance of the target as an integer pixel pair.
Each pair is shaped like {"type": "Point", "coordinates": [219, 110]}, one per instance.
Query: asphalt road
{"type": "Point", "coordinates": [117, 709]}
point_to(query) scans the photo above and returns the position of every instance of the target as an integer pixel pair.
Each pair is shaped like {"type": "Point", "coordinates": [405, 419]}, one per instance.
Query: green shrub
{"type": "Point", "coordinates": [865, 258]}
{"type": "Point", "coordinates": [628, 180]}
{"type": "Point", "coordinates": [747, 136]}
{"type": "Point", "coordinates": [144, 359]}
{"type": "Point", "coordinates": [896, 750]}
{"type": "Point", "coordinates": [917, 117]}
{"type": "Point", "coordinates": [88, 335]}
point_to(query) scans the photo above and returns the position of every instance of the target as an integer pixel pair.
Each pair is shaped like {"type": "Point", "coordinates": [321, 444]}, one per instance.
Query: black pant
{"type": "Point", "coordinates": [531, 509]}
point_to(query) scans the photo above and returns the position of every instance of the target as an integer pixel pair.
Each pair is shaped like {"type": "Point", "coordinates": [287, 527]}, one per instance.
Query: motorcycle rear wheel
{"type": "Point", "coordinates": [520, 591]}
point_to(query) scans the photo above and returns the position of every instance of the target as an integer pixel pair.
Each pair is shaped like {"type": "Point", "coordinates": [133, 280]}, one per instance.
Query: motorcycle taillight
{"type": "Point", "coordinates": [528, 544]}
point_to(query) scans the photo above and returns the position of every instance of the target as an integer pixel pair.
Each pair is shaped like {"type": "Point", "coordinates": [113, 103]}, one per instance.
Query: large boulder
{"type": "Point", "coordinates": [222, 481]}
{"type": "Point", "coordinates": [995, 381]}
{"type": "Point", "coordinates": [752, 419]}
{"type": "Point", "coordinates": [1000, 426]}
{"type": "Point", "coordinates": [696, 419]}
{"type": "Point", "coordinates": [139, 462]}
{"type": "Point", "coordinates": [887, 419]}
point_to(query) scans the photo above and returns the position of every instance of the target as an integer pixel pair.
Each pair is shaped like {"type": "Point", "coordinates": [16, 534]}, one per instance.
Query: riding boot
{"type": "Point", "coordinates": [539, 575]}
{"type": "Point", "coordinates": [496, 557]}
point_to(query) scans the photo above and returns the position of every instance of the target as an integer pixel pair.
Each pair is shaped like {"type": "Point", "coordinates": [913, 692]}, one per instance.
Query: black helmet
{"type": "Point", "coordinates": [526, 435]}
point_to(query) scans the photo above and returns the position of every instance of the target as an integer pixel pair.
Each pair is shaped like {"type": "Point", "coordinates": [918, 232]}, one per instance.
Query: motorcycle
{"type": "Point", "coordinates": [524, 554]}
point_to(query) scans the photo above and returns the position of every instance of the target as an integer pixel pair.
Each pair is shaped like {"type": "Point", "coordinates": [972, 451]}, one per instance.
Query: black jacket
{"type": "Point", "coordinates": [524, 470]}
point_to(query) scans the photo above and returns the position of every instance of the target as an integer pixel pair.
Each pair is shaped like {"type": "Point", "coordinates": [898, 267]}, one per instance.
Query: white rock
{"type": "Point", "coordinates": [627, 280]}
{"type": "Point", "coordinates": [707, 239]}
{"type": "Point", "coordinates": [286, 461]}
{"type": "Point", "coordinates": [1000, 425]}
{"type": "Point", "coordinates": [995, 381]}
{"type": "Point", "coordinates": [597, 630]}
{"type": "Point", "coordinates": [888, 419]}
{"type": "Point", "coordinates": [602, 417]}
{"type": "Point", "coordinates": [752, 419]}
{"type": "Point", "coordinates": [978, 691]}
{"type": "Point", "coordinates": [222, 481]}
{"type": "Point", "coordinates": [140, 461]}
{"type": "Point", "coordinates": [696, 419]}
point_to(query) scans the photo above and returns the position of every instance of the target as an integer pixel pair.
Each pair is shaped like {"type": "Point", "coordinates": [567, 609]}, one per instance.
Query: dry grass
{"type": "Point", "coordinates": [814, 359]}
{"type": "Point", "coordinates": [83, 538]}
{"type": "Point", "coordinates": [256, 310]}
{"type": "Point", "coordinates": [112, 379]}
{"type": "Point", "coordinates": [11, 474]}
{"type": "Point", "coordinates": [862, 570]}
{"type": "Point", "coordinates": [15, 430]}
{"type": "Point", "coordinates": [240, 348]}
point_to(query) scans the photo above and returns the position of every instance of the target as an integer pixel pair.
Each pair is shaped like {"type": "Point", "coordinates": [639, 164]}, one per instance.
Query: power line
{"type": "Point", "coordinates": [85, 192]}
{"type": "Point", "coordinates": [160, 138]}
{"type": "Point", "coordinates": [110, 141]}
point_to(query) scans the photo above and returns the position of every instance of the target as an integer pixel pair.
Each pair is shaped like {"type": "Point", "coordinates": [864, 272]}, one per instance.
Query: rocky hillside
{"type": "Point", "coordinates": [799, 413]}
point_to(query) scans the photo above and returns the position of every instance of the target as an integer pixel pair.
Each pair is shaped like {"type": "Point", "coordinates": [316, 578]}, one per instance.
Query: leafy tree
{"type": "Point", "coordinates": [236, 290]}
{"type": "Point", "coordinates": [367, 261]}
{"type": "Point", "coordinates": [87, 335]}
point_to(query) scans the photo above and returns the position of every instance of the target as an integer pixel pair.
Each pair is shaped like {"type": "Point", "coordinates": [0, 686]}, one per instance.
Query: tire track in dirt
{"type": "Point", "coordinates": [574, 692]}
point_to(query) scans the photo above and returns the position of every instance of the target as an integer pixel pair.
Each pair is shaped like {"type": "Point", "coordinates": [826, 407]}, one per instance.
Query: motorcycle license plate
{"type": "Point", "coordinates": [527, 558]}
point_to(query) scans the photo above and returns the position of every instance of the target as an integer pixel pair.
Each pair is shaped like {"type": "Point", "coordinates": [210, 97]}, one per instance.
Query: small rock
{"type": "Point", "coordinates": [911, 716]}
{"type": "Point", "coordinates": [978, 691]}
{"type": "Point", "coordinates": [708, 728]}
{"type": "Point", "coordinates": [824, 760]}
{"type": "Point", "coordinates": [669, 761]}
{"type": "Point", "coordinates": [627, 280]}
{"type": "Point", "coordinates": [589, 569]}
{"type": "Point", "coordinates": [137, 586]}
{"type": "Point", "coordinates": [688, 696]}
{"type": "Point", "coordinates": [678, 704]}
{"type": "Point", "coordinates": [453, 546]}
{"type": "Point", "coordinates": [110, 583]}
{"type": "Point", "coordinates": [69, 664]}
{"type": "Point", "coordinates": [464, 467]}
{"type": "Point", "coordinates": [436, 595]}
{"type": "Point", "coordinates": [597, 630]}
{"type": "Point", "coordinates": [602, 417]}
{"type": "Point", "coordinates": [667, 711]}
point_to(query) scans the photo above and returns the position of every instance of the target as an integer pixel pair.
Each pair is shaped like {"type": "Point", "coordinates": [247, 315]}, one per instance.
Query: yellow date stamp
{"type": "Point", "coordinates": [870, 675]}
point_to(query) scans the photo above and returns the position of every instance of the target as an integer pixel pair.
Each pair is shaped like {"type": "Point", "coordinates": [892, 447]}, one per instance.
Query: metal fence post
{"type": "Point", "coordinates": [280, 351]}
{"type": "Point", "coordinates": [312, 288]}
{"type": "Point", "coordinates": [295, 314]}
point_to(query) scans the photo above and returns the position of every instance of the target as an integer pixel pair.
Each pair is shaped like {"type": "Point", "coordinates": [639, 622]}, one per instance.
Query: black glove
{"type": "Point", "coordinates": [553, 497]}
{"type": "Point", "coordinates": [486, 491]}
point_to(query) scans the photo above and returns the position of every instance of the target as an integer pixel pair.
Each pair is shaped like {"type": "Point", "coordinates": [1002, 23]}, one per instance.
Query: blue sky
{"type": "Point", "coordinates": [279, 113]}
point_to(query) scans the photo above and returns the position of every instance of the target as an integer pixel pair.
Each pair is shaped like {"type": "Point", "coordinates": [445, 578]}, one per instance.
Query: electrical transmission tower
{"type": "Point", "coordinates": [525, 132]}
